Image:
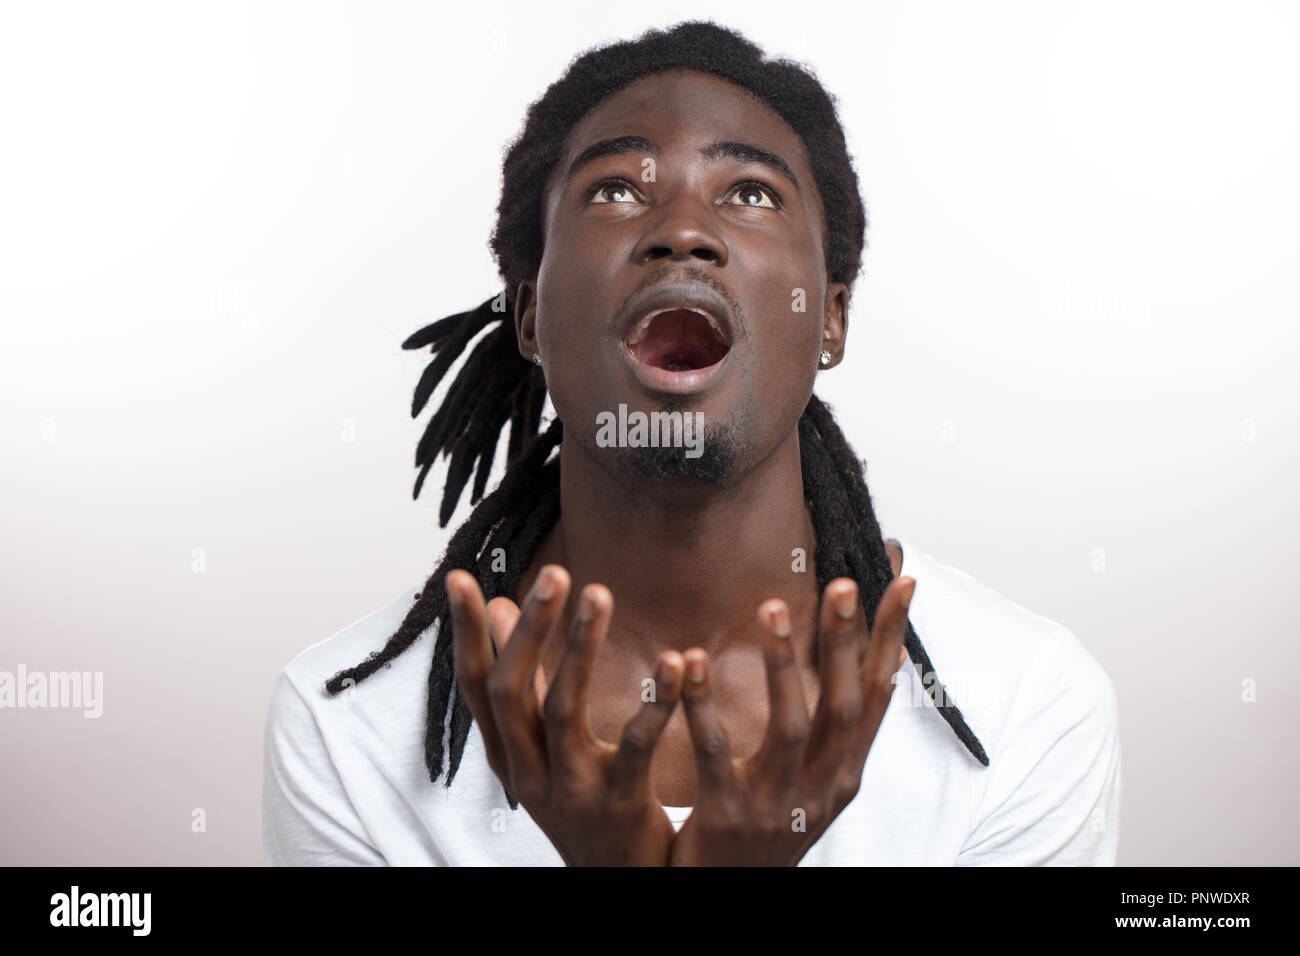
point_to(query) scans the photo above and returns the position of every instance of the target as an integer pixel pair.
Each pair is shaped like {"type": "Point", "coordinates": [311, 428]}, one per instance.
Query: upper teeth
{"type": "Point", "coordinates": [639, 332]}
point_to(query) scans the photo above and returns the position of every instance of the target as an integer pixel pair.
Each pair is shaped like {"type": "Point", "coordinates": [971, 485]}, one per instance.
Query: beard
{"type": "Point", "coordinates": [716, 462]}
{"type": "Point", "coordinates": [723, 451]}
{"type": "Point", "coordinates": [727, 450]}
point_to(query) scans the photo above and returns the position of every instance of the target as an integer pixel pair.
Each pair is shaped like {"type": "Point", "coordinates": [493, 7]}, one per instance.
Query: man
{"type": "Point", "coordinates": [679, 232]}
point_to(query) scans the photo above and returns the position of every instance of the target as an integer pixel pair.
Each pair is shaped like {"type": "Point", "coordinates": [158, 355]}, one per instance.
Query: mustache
{"type": "Point", "coordinates": [688, 273]}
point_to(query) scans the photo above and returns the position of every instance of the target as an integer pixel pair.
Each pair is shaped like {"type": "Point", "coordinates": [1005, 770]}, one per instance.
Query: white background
{"type": "Point", "coordinates": [1070, 367]}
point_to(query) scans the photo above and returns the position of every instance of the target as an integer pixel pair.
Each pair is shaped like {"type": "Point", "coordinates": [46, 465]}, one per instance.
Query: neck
{"type": "Point", "coordinates": [686, 567]}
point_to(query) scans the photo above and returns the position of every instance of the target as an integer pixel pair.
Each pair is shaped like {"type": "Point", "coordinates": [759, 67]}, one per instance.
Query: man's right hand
{"type": "Point", "coordinates": [593, 800]}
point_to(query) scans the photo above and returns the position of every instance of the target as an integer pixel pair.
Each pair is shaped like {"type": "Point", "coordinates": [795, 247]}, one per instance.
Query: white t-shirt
{"type": "Point", "coordinates": [345, 780]}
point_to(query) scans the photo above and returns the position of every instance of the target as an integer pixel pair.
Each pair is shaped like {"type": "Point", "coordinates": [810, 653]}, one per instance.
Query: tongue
{"type": "Point", "coordinates": [680, 341]}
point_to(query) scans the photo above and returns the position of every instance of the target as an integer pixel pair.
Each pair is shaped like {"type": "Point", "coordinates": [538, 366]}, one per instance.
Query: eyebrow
{"type": "Point", "coordinates": [739, 152]}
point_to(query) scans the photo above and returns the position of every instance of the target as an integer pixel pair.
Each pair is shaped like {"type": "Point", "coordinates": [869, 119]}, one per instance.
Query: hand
{"type": "Point", "coordinates": [593, 800]}
{"type": "Point", "coordinates": [770, 809]}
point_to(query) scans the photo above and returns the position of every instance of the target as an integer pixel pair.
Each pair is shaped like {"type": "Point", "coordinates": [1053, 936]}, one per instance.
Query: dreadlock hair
{"type": "Point", "coordinates": [495, 384]}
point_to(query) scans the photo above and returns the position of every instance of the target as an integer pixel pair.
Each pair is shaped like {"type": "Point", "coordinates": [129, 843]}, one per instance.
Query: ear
{"type": "Point", "coordinates": [835, 327]}
{"type": "Point", "coordinates": [526, 318]}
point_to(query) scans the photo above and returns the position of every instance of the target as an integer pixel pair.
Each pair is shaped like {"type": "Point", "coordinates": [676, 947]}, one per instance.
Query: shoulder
{"type": "Point", "coordinates": [322, 802]}
{"type": "Point", "coordinates": [309, 670]}
{"type": "Point", "coordinates": [1045, 710]}
{"type": "Point", "coordinates": [381, 714]}
{"type": "Point", "coordinates": [1010, 670]}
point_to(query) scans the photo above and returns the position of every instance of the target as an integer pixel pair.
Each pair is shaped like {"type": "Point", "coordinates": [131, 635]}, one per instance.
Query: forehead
{"type": "Point", "coordinates": [685, 109]}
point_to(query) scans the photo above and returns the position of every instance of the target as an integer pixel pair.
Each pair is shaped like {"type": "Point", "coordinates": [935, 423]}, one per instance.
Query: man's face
{"type": "Point", "coordinates": [725, 221]}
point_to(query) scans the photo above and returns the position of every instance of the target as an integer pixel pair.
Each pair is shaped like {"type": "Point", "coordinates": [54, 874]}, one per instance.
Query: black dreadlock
{"type": "Point", "coordinates": [496, 384]}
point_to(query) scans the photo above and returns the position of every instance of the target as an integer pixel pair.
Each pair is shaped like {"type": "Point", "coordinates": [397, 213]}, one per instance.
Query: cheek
{"type": "Point", "coordinates": [569, 337]}
{"type": "Point", "coordinates": [556, 299]}
{"type": "Point", "coordinates": [790, 306]}
{"type": "Point", "coordinates": [787, 336]}
{"type": "Point", "coordinates": [571, 314]}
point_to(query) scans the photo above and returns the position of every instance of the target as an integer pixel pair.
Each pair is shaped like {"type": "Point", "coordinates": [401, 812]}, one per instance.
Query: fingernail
{"type": "Point", "coordinates": [586, 607]}
{"type": "Point", "coordinates": [910, 586]}
{"type": "Point", "coordinates": [845, 602]}
{"type": "Point", "coordinates": [668, 668]}
{"type": "Point", "coordinates": [780, 621]}
{"type": "Point", "coordinates": [695, 670]}
{"type": "Point", "coordinates": [545, 587]}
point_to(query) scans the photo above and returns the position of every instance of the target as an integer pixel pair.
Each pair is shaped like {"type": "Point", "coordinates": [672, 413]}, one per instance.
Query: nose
{"type": "Point", "coordinates": [681, 230]}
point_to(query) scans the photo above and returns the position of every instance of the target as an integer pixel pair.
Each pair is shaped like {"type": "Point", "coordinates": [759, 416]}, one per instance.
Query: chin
{"type": "Point", "coordinates": [715, 464]}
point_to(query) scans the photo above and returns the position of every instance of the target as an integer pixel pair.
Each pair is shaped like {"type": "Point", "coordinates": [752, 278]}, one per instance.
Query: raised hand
{"type": "Point", "coordinates": [592, 799]}
{"type": "Point", "coordinates": [771, 808]}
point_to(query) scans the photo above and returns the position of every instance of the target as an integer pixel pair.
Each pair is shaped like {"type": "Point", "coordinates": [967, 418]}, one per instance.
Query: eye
{"type": "Point", "coordinates": [751, 188]}
{"type": "Point", "coordinates": [611, 187]}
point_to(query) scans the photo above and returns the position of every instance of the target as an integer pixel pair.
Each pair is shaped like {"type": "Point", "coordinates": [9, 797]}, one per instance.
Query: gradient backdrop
{"type": "Point", "coordinates": [1071, 364]}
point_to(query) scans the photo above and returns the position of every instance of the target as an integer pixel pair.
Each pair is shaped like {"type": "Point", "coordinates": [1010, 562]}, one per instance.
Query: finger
{"type": "Point", "coordinates": [839, 705]}
{"type": "Point", "coordinates": [712, 748]}
{"type": "Point", "coordinates": [502, 615]}
{"type": "Point", "coordinates": [472, 654]}
{"type": "Point", "coordinates": [877, 674]}
{"type": "Point", "coordinates": [567, 714]}
{"type": "Point", "coordinates": [631, 766]}
{"type": "Point", "coordinates": [788, 727]}
{"type": "Point", "coordinates": [876, 678]}
{"type": "Point", "coordinates": [511, 685]}
{"type": "Point", "coordinates": [521, 651]}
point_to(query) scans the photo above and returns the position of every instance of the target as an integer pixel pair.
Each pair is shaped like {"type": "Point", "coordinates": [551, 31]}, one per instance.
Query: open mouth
{"type": "Point", "coordinates": [678, 340]}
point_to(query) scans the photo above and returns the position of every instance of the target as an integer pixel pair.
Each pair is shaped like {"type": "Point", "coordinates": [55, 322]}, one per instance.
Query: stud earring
{"type": "Point", "coordinates": [537, 358]}
{"type": "Point", "coordinates": [825, 359]}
